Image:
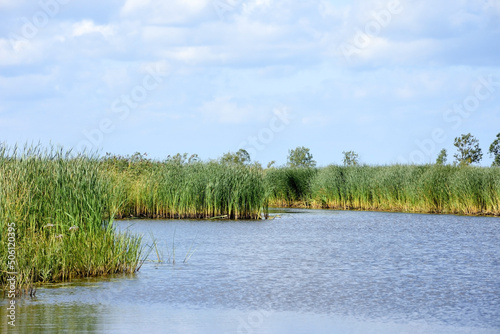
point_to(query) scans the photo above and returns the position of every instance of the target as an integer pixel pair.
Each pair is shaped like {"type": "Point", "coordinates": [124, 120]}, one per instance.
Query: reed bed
{"type": "Point", "coordinates": [63, 205]}
{"type": "Point", "coordinates": [408, 188]}
{"type": "Point", "coordinates": [61, 213]}
{"type": "Point", "coordinates": [289, 186]}
{"type": "Point", "coordinates": [174, 189]}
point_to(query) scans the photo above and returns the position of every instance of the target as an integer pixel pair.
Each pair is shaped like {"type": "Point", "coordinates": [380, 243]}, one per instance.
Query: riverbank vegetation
{"type": "Point", "coordinates": [56, 220]}
{"type": "Point", "coordinates": [460, 188]}
{"type": "Point", "coordinates": [407, 188]}
{"type": "Point", "coordinates": [184, 188]}
{"type": "Point", "coordinates": [59, 207]}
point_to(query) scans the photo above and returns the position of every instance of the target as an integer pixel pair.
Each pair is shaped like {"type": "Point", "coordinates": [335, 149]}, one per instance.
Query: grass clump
{"type": "Point", "coordinates": [62, 213]}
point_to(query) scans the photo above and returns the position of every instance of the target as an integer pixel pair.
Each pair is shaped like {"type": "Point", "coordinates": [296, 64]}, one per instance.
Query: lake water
{"type": "Point", "coordinates": [310, 271]}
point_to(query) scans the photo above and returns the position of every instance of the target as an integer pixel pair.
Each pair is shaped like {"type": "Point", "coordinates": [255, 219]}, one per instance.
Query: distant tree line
{"type": "Point", "coordinates": [469, 152]}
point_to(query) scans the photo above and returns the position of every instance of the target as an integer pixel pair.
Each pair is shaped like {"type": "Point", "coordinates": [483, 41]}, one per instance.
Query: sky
{"type": "Point", "coordinates": [395, 81]}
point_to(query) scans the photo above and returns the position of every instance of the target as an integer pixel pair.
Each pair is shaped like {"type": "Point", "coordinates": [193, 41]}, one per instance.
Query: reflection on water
{"type": "Point", "coordinates": [318, 271]}
{"type": "Point", "coordinates": [34, 317]}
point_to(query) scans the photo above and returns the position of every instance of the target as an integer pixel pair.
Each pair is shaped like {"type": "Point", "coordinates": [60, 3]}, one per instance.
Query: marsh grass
{"type": "Point", "coordinates": [63, 205]}
{"type": "Point", "coordinates": [289, 186]}
{"type": "Point", "coordinates": [408, 188]}
{"type": "Point", "coordinates": [62, 211]}
{"type": "Point", "coordinates": [171, 189]}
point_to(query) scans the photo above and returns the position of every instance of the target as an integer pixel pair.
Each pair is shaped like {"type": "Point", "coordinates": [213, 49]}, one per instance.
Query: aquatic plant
{"type": "Point", "coordinates": [172, 189]}
{"type": "Point", "coordinates": [60, 210]}
{"type": "Point", "coordinates": [408, 188]}
{"type": "Point", "coordinates": [289, 186]}
{"type": "Point", "coordinates": [62, 204]}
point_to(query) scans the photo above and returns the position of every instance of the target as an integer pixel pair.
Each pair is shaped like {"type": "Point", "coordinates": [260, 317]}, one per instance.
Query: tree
{"type": "Point", "coordinates": [495, 151]}
{"type": "Point", "coordinates": [271, 164]}
{"type": "Point", "coordinates": [300, 157]}
{"type": "Point", "coordinates": [469, 151]}
{"type": "Point", "coordinates": [242, 157]}
{"type": "Point", "coordinates": [442, 157]}
{"type": "Point", "coordinates": [350, 158]}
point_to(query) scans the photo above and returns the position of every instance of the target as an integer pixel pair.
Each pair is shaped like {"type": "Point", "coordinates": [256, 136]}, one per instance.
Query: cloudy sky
{"type": "Point", "coordinates": [394, 81]}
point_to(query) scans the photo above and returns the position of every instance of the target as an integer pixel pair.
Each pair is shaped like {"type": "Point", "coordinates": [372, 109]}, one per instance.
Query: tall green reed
{"type": "Point", "coordinates": [173, 189]}
{"type": "Point", "coordinates": [289, 186]}
{"type": "Point", "coordinates": [409, 188]}
{"type": "Point", "coordinates": [63, 214]}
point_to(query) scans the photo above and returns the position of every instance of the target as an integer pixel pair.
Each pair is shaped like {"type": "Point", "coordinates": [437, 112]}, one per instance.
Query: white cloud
{"type": "Point", "coordinates": [265, 53]}
{"type": "Point", "coordinates": [88, 27]}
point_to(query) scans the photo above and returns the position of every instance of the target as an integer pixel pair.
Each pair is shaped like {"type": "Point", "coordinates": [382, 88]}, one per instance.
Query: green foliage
{"type": "Point", "coordinates": [63, 205]}
{"type": "Point", "coordinates": [61, 209]}
{"type": "Point", "coordinates": [351, 158]}
{"type": "Point", "coordinates": [495, 151]}
{"type": "Point", "coordinates": [193, 159]}
{"type": "Point", "coordinates": [468, 148]}
{"type": "Point", "coordinates": [427, 188]}
{"type": "Point", "coordinates": [289, 186]}
{"type": "Point", "coordinates": [271, 164]}
{"type": "Point", "coordinates": [242, 157]}
{"type": "Point", "coordinates": [177, 159]}
{"type": "Point", "coordinates": [442, 157]}
{"type": "Point", "coordinates": [176, 189]}
{"type": "Point", "coordinates": [300, 157]}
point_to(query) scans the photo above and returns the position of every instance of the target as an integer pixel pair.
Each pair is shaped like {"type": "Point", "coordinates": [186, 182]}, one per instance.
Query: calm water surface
{"type": "Point", "coordinates": [312, 271]}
